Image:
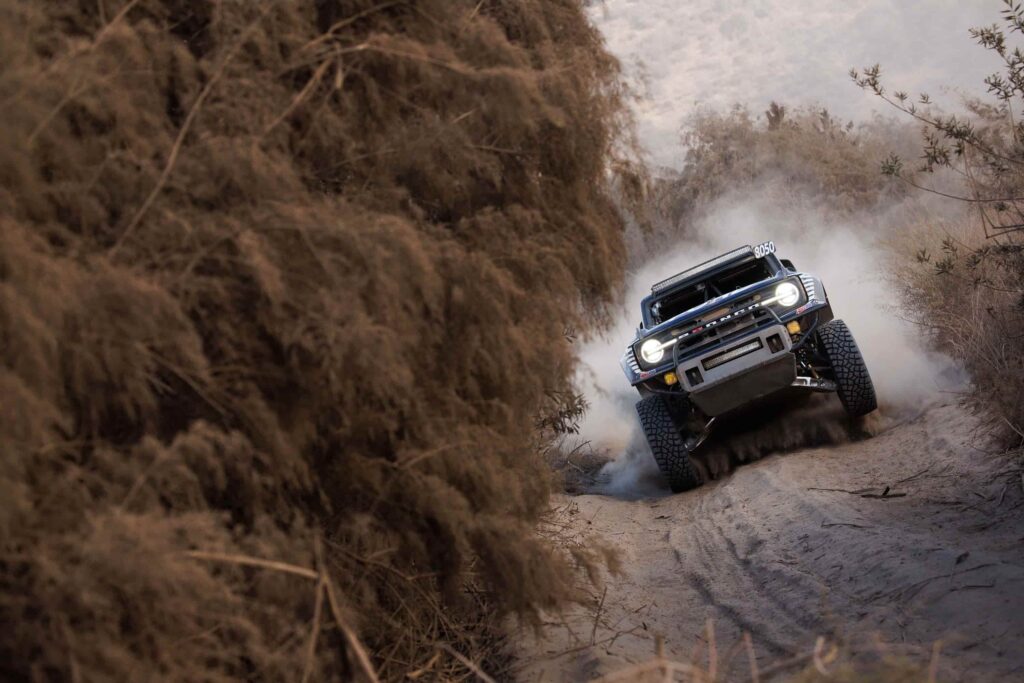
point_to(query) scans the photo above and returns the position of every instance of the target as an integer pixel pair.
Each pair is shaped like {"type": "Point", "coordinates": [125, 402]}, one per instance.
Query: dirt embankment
{"type": "Point", "coordinates": [883, 545]}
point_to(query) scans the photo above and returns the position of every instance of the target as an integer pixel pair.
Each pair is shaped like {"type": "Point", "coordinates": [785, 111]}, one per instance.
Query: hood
{"type": "Point", "coordinates": [706, 307]}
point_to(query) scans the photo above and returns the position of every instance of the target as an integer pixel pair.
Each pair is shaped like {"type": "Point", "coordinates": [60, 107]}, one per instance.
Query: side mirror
{"type": "Point", "coordinates": [788, 264]}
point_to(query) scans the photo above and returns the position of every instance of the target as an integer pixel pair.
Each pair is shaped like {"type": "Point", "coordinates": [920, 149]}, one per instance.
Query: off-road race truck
{"type": "Point", "coordinates": [726, 333]}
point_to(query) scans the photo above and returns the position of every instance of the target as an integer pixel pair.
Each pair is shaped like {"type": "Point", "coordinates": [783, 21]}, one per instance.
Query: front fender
{"type": "Point", "coordinates": [629, 366]}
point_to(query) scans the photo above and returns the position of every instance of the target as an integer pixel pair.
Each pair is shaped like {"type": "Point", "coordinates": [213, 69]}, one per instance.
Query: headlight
{"type": "Point", "coordinates": [787, 293]}
{"type": "Point", "coordinates": [651, 351]}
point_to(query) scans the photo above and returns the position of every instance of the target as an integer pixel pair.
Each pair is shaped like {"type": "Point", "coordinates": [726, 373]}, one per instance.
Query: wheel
{"type": "Point", "coordinates": [667, 443]}
{"type": "Point", "coordinates": [853, 383]}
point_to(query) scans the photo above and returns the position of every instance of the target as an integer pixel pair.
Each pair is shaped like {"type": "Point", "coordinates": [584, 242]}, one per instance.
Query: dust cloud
{"type": "Point", "coordinates": [852, 259]}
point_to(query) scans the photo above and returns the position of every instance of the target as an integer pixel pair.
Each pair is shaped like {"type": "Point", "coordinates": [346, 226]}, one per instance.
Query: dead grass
{"type": "Point", "coordinates": [974, 306]}
{"type": "Point", "coordinates": [274, 273]}
{"type": "Point", "coordinates": [825, 661]}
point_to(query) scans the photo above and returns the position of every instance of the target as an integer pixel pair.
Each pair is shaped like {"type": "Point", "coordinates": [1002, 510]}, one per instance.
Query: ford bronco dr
{"type": "Point", "coordinates": [725, 333]}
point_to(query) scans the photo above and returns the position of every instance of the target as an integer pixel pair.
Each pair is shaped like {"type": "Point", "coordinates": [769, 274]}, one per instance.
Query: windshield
{"type": "Point", "coordinates": [737, 277]}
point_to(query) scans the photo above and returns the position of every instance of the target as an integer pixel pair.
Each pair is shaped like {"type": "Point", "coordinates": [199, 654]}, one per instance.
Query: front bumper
{"type": "Point", "coordinates": [728, 377]}
{"type": "Point", "coordinates": [815, 311]}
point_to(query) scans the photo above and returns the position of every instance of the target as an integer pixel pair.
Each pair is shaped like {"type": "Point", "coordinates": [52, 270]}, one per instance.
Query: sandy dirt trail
{"type": "Point", "coordinates": [800, 545]}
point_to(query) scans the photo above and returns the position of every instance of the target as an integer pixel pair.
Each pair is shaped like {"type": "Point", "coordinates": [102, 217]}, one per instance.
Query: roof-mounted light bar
{"type": "Point", "coordinates": [698, 269]}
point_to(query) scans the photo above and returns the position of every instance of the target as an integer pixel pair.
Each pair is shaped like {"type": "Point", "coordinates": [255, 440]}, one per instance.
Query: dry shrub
{"type": "Point", "coordinates": [967, 290]}
{"type": "Point", "coordinates": [798, 153]}
{"type": "Point", "coordinates": [280, 277]}
{"type": "Point", "coordinates": [968, 280]}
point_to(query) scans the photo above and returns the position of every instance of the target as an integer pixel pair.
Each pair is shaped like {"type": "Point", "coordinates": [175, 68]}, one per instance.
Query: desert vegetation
{"type": "Point", "coordinates": [969, 279]}
{"type": "Point", "coordinates": [803, 154]}
{"type": "Point", "coordinates": [286, 300]}
{"type": "Point", "coordinates": [289, 294]}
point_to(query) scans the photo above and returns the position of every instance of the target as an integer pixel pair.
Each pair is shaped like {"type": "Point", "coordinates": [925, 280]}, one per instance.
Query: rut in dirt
{"type": "Point", "coordinates": [883, 545]}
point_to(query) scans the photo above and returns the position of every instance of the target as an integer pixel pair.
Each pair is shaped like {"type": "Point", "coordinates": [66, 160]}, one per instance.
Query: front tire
{"type": "Point", "coordinates": [853, 383]}
{"type": "Point", "coordinates": [667, 444]}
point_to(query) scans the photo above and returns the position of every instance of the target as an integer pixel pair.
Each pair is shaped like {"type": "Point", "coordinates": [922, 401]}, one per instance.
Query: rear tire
{"type": "Point", "coordinates": [667, 444]}
{"type": "Point", "coordinates": [853, 383]}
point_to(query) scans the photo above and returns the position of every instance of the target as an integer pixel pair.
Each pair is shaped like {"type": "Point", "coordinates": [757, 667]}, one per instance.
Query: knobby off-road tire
{"type": "Point", "coordinates": [667, 444]}
{"type": "Point", "coordinates": [854, 387]}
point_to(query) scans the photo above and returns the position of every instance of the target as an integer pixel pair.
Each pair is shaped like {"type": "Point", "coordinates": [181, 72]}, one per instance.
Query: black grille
{"type": "Point", "coordinates": [708, 339]}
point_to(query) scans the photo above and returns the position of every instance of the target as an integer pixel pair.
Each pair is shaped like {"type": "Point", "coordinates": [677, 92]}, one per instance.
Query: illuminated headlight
{"type": "Point", "coordinates": [787, 294]}
{"type": "Point", "coordinates": [652, 351]}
